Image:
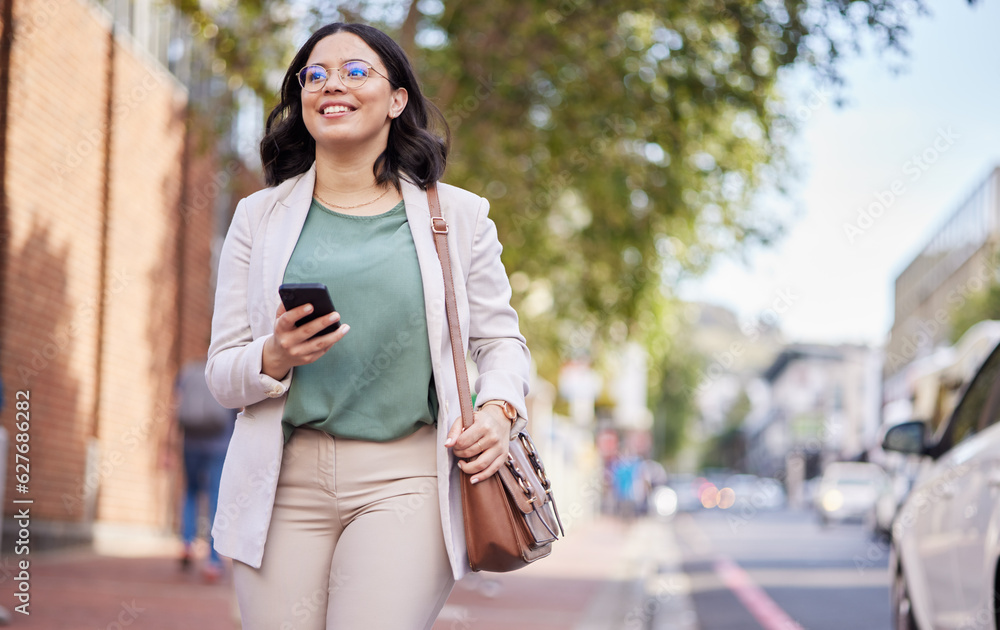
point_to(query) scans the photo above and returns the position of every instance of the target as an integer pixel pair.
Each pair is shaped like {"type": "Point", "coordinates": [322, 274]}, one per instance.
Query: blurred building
{"type": "Point", "coordinates": [109, 212]}
{"type": "Point", "coordinates": [735, 353]}
{"type": "Point", "coordinates": [814, 402]}
{"type": "Point", "coordinates": [959, 260]}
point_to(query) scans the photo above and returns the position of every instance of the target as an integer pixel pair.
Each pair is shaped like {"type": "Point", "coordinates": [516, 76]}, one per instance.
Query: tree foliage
{"type": "Point", "coordinates": [621, 144]}
{"type": "Point", "coordinates": [673, 380]}
{"type": "Point", "coordinates": [727, 449]}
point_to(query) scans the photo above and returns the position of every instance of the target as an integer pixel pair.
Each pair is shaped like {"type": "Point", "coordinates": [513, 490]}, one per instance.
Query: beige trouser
{"type": "Point", "coordinates": [355, 541]}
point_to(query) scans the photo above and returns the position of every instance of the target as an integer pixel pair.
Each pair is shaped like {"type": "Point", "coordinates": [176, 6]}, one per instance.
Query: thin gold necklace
{"type": "Point", "coordinates": [367, 203]}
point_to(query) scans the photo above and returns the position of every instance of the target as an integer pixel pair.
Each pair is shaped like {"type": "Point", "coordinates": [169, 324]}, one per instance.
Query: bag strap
{"type": "Point", "coordinates": [440, 229]}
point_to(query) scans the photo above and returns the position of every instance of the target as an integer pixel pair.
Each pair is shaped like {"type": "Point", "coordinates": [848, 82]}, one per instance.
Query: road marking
{"type": "Point", "coordinates": [767, 613]}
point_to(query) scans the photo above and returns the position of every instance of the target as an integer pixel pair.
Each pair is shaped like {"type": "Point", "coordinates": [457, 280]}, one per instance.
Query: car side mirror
{"type": "Point", "coordinates": [906, 437]}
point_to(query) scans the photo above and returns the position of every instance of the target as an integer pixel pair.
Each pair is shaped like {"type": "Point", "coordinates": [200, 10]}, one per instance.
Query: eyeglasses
{"type": "Point", "coordinates": [353, 74]}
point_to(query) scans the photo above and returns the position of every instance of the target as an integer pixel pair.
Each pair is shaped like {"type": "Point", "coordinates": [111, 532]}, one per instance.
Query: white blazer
{"type": "Point", "coordinates": [263, 233]}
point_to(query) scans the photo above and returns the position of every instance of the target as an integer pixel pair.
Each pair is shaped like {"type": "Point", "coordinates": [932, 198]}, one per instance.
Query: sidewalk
{"type": "Point", "coordinates": [606, 575]}
{"type": "Point", "coordinates": [83, 590]}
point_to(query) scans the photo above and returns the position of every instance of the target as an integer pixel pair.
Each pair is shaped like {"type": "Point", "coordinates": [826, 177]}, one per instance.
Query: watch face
{"type": "Point", "coordinates": [509, 411]}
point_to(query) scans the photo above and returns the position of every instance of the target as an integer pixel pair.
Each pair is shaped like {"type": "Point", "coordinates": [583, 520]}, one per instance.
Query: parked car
{"type": "Point", "coordinates": [849, 491]}
{"type": "Point", "coordinates": [946, 535]}
{"type": "Point", "coordinates": [888, 503]}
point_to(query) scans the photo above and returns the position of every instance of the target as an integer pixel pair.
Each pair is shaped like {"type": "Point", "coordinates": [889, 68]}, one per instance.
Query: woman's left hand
{"type": "Point", "coordinates": [483, 447]}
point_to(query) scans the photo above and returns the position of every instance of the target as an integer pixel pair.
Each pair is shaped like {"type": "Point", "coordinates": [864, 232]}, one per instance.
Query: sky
{"type": "Point", "coordinates": [917, 141]}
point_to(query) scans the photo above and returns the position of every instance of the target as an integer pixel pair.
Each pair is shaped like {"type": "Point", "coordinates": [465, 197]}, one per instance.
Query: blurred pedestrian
{"type": "Point", "coordinates": [339, 501]}
{"type": "Point", "coordinates": [629, 486]}
{"type": "Point", "coordinates": [207, 427]}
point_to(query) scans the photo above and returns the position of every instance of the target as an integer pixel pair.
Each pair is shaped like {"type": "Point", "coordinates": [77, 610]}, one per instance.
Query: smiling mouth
{"type": "Point", "coordinates": [336, 109]}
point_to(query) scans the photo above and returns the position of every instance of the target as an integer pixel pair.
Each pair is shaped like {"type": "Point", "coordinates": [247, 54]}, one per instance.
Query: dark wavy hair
{"type": "Point", "coordinates": [288, 149]}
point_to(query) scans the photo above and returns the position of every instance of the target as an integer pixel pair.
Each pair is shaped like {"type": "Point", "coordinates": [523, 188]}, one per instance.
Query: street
{"type": "Point", "coordinates": [782, 569]}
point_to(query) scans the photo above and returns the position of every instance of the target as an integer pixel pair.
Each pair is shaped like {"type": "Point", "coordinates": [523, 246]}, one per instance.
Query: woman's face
{"type": "Point", "coordinates": [339, 116]}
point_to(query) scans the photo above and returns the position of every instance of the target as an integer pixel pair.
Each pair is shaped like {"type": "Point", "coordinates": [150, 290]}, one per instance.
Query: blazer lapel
{"type": "Point", "coordinates": [282, 233]}
{"type": "Point", "coordinates": [419, 217]}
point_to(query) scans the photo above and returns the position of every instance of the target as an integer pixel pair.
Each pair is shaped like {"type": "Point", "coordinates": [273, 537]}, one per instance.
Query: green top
{"type": "Point", "coordinates": [376, 383]}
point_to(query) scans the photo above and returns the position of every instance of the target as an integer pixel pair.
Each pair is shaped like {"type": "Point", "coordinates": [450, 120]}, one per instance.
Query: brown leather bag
{"type": "Point", "coordinates": [510, 518]}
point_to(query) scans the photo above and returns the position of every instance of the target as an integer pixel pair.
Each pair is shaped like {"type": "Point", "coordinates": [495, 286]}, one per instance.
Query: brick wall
{"type": "Point", "coordinates": [54, 168]}
{"type": "Point", "coordinates": [157, 301]}
{"type": "Point", "coordinates": [142, 322]}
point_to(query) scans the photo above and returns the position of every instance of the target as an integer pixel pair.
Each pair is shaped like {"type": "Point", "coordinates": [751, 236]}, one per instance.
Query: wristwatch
{"type": "Point", "coordinates": [508, 409]}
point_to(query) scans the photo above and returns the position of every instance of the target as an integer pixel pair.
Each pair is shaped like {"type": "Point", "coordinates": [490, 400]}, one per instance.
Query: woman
{"type": "Point", "coordinates": [339, 501]}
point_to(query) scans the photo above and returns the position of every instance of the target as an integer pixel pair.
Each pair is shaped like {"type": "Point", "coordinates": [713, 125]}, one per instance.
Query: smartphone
{"type": "Point", "coordinates": [295, 294]}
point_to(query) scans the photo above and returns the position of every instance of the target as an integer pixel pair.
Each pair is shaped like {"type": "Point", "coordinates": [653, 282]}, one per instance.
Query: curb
{"type": "Point", "coordinates": [668, 604]}
{"type": "Point", "coordinates": [648, 589]}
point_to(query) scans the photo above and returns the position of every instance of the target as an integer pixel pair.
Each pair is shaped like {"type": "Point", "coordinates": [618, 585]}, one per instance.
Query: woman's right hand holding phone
{"type": "Point", "coordinates": [290, 346]}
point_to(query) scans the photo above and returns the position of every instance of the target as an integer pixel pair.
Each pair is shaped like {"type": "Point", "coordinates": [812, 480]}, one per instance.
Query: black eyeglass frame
{"type": "Point", "coordinates": [300, 75]}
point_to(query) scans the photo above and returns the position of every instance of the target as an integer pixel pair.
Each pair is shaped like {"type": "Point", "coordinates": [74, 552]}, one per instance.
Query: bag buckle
{"type": "Point", "coordinates": [439, 228]}
{"type": "Point", "coordinates": [522, 480]}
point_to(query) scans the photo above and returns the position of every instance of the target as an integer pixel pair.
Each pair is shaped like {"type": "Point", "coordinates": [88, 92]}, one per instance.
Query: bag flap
{"type": "Point", "coordinates": [521, 480]}
{"type": "Point", "coordinates": [528, 491]}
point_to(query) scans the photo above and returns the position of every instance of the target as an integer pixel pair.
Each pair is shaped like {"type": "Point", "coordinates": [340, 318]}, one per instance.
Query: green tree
{"type": "Point", "coordinates": [727, 449]}
{"type": "Point", "coordinates": [622, 144]}
{"type": "Point", "coordinates": [672, 383]}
